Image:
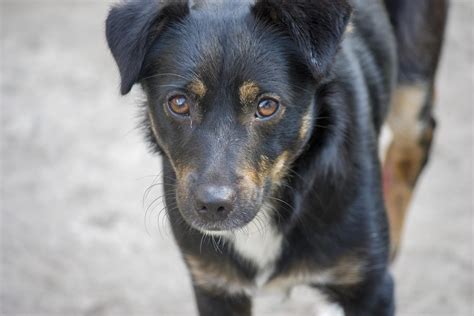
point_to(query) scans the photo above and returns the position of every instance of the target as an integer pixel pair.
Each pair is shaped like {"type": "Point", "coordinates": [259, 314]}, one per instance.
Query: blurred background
{"type": "Point", "coordinates": [75, 235]}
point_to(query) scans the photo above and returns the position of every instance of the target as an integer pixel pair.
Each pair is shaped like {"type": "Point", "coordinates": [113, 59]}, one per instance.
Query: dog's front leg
{"type": "Point", "coordinates": [217, 303]}
{"type": "Point", "coordinates": [373, 297]}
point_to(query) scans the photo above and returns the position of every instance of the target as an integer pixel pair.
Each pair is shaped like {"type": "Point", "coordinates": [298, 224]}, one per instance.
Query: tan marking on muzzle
{"type": "Point", "coordinates": [278, 169]}
{"type": "Point", "coordinates": [248, 92]}
{"type": "Point", "coordinates": [264, 164]}
{"type": "Point", "coordinates": [305, 125]}
{"type": "Point", "coordinates": [157, 138]}
{"type": "Point", "coordinates": [182, 179]}
{"type": "Point", "coordinates": [181, 171]}
{"type": "Point", "coordinates": [198, 88]}
{"type": "Point", "coordinates": [255, 175]}
{"type": "Point", "coordinates": [250, 176]}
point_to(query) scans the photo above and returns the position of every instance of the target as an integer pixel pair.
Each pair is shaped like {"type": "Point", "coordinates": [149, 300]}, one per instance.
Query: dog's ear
{"type": "Point", "coordinates": [132, 27]}
{"type": "Point", "coordinates": [316, 26]}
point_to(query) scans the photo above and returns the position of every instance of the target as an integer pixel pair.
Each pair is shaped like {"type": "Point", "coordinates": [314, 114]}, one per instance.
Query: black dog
{"type": "Point", "coordinates": [267, 116]}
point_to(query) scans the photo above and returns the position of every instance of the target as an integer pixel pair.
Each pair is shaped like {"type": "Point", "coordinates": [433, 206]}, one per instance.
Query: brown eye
{"type": "Point", "coordinates": [179, 104]}
{"type": "Point", "coordinates": [267, 107]}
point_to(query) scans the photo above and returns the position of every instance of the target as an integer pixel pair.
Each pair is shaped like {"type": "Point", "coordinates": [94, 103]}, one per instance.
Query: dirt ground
{"type": "Point", "coordinates": [75, 239]}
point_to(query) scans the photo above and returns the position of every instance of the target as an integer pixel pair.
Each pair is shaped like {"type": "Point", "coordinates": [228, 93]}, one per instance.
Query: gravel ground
{"type": "Point", "coordinates": [75, 239]}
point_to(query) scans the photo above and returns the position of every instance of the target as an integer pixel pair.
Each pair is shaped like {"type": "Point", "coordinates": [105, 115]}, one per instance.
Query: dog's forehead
{"type": "Point", "coordinates": [217, 44]}
{"type": "Point", "coordinates": [220, 4]}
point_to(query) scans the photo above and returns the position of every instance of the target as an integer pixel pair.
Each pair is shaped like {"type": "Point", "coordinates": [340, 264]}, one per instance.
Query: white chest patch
{"type": "Point", "coordinates": [323, 307]}
{"type": "Point", "coordinates": [330, 309]}
{"type": "Point", "coordinates": [259, 243]}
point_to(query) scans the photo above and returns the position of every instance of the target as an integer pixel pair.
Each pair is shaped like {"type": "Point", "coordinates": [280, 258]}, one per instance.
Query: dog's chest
{"type": "Point", "coordinates": [262, 247]}
{"type": "Point", "coordinates": [261, 244]}
{"type": "Point", "coordinates": [263, 250]}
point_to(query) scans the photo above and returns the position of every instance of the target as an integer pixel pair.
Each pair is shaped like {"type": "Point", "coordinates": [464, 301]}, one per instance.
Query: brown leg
{"type": "Point", "coordinates": [419, 28]}
{"type": "Point", "coordinates": [412, 127]}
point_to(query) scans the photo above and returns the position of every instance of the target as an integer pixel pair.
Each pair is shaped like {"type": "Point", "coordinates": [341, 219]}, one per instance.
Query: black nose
{"type": "Point", "coordinates": [214, 203]}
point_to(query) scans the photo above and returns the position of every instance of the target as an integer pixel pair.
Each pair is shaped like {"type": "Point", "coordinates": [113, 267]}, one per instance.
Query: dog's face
{"type": "Point", "coordinates": [230, 110]}
{"type": "Point", "coordinates": [231, 95]}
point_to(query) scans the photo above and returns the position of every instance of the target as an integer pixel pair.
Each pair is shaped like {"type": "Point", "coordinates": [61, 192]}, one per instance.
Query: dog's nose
{"type": "Point", "coordinates": [214, 203]}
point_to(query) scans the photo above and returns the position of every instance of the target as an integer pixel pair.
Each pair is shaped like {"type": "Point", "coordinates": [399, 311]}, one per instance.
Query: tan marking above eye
{"type": "Point", "coordinates": [248, 92]}
{"type": "Point", "coordinates": [198, 88]}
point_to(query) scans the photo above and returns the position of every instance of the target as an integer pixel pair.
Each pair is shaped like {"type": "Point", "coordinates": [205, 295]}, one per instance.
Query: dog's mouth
{"type": "Point", "coordinates": [230, 224]}
{"type": "Point", "coordinates": [236, 220]}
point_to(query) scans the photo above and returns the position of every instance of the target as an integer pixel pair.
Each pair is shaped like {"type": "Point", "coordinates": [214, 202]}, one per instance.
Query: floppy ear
{"type": "Point", "coordinates": [131, 29]}
{"type": "Point", "coordinates": [316, 26]}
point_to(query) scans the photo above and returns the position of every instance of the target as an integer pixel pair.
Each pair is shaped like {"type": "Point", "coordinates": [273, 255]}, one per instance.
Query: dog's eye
{"type": "Point", "coordinates": [179, 104]}
{"type": "Point", "coordinates": [267, 107]}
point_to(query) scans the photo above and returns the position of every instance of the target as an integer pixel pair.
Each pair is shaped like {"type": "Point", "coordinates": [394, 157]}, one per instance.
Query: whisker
{"type": "Point", "coordinates": [282, 201]}
{"type": "Point", "coordinates": [297, 174]}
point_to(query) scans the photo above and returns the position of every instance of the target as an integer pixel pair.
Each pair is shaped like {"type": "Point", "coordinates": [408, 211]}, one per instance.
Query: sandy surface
{"type": "Point", "coordinates": [74, 236]}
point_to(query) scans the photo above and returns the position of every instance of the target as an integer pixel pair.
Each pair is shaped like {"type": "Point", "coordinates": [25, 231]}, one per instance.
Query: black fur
{"type": "Point", "coordinates": [328, 199]}
{"type": "Point", "coordinates": [315, 26]}
{"type": "Point", "coordinates": [131, 29]}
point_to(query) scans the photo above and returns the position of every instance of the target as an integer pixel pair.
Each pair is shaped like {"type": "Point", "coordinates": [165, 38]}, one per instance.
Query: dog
{"type": "Point", "coordinates": [267, 115]}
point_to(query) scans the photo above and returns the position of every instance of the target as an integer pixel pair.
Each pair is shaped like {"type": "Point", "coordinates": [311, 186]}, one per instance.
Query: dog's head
{"type": "Point", "coordinates": [230, 91]}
